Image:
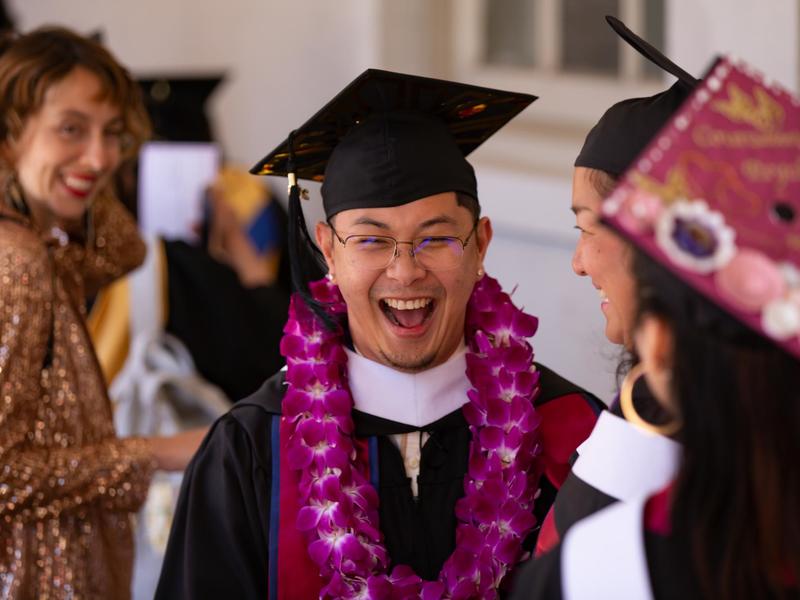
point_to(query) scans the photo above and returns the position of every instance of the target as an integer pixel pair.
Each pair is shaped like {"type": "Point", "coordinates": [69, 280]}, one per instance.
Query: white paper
{"type": "Point", "coordinates": [173, 177]}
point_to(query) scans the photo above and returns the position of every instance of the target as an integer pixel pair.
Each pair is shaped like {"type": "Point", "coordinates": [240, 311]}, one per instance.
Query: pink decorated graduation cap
{"type": "Point", "coordinates": [715, 197]}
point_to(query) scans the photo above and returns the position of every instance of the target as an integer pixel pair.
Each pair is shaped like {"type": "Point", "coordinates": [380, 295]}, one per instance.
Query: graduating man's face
{"type": "Point", "coordinates": [405, 315]}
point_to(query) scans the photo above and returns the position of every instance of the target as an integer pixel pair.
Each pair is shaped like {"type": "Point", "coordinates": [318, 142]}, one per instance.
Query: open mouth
{"type": "Point", "coordinates": [408, 314]}
{"type": "Point", "coordinates": [79, 186]}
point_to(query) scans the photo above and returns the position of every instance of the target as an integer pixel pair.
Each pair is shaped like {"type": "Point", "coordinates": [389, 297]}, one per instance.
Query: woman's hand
{"type": "Point", "coordinates": [173, 453]}
{"type": "Point", "coordinates": [228, 243]}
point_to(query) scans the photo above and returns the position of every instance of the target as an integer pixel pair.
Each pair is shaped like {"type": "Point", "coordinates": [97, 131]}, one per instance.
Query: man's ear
{"type": "Point", "coordinates": [324, 236]}
{"type": "Point", "coordinates": [483, 236]}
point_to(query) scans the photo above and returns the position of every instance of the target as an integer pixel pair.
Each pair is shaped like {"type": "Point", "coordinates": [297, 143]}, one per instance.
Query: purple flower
{"type": "Point", "coordinates": [505, 323]}
{"type": "Point", "coordinates": [509, 385]}
{"type": "Point", "coordinates": [339, 547]}
{"type": "Point", "coordinates": [327, 292]}
{"type": "Point", "coordinates": [432, 590]}
{"type": "Point", "coordinates": [405, 583]}
{"type": "Point", "coordinates": [360, 492]}
{"type": "Point", "coordinates": [339, 508]}
{"type": "Point", "coordinates": [316, 443]}
{"type": "Point", "coordinates": [334, 513]}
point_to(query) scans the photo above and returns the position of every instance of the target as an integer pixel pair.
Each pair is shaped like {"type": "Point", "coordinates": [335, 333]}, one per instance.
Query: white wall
{"type": "Point", "coordinates": [285, 58]}
{"type": "Point", "coordinates": [763, 32]}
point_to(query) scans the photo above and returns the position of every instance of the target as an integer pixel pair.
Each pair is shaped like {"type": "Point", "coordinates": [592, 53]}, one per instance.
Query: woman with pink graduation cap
{"type": "Point", "coordinates": [714, 222]}
{"type": "Point", "coordinates": [618, 461]}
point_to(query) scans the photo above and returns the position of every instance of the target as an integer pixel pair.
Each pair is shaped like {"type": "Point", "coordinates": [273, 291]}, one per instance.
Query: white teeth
{"type": "Point", "coordinates": [603, 295]}
{"type": "Point", "coordinates": [408, 304]}
{"type": "Point", "coordinates": [78, 183]}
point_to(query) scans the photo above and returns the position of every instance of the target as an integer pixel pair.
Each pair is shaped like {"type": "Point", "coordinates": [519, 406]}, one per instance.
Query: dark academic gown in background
{"type": "Point", "coordinates": [232, 332]}
{"type": "Point", "coordinates": [218, 545]}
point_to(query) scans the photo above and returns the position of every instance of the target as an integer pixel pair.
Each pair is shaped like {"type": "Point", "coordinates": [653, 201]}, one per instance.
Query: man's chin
{"type": "Point", "coordinates": [409, 363]}
{"type": "Point", "coordinates": [405, 355]}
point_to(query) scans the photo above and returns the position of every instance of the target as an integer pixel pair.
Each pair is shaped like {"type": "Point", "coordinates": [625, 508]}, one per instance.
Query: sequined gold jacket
{"type": "Point", "coordinates": [68, 485]}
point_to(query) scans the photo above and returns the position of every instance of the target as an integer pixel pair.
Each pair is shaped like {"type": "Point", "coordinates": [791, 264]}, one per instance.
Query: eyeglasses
{"type": "Point", "coordinates": [433, 253]}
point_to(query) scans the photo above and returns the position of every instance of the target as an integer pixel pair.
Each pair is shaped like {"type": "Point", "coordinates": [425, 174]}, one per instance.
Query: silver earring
{"type": "Point", "coordinates": [480, 272]}
{"type": "Point", "coordinates": [329, 276]}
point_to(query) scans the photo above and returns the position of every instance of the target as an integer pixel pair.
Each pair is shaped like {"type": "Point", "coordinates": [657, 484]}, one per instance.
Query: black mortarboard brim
{"type": "Point", "coordinates": [177, 106]}
{"type": "Point", "coordinates": [390, 138]}
{"type": "Point", "coordinates": [387, 139]}
{"type": "Point", "coordinates": [627, 127]}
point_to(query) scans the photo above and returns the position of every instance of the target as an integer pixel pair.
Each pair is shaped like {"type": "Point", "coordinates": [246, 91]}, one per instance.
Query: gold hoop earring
{"type": "Point", "coordinates": [629, 409]}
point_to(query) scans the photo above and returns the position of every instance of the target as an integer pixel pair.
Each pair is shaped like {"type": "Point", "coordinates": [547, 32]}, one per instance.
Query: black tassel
{"type": "Point", "coordinates": [305, 258]}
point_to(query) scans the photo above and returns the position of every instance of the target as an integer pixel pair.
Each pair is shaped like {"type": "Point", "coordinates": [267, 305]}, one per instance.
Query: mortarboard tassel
{"type": "Point", "coordinates": [304, 257]}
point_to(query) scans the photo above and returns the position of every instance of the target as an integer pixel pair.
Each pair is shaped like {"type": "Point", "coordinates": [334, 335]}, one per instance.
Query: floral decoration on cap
{"type": "Point", "coordinates": [715, 197]}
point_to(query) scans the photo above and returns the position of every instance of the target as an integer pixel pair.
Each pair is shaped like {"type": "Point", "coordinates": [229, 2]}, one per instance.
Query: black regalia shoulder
{"type": "Point", "coordinates": [252, 416]}
{"type": "Point", "coordinates": [219, 542]}
{"type": "Point", "coordinates": [266, 399]}
{"type": "Point", "coordinates": [552, 386]}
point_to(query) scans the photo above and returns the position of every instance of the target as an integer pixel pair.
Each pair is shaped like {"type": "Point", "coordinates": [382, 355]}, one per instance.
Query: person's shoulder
{"type": "Point", "coordinates": [538, 579]}
{"type": "Point", "coordinates": [246, 429]}
{"type": "Point", "coordinates": [553, 386]}
{"type": "Point", "coordinates": [258, 409]}
{"type": "Point", "coordinates": [20, 240]}
{"type": "Point", "coordinates": [23, 258]}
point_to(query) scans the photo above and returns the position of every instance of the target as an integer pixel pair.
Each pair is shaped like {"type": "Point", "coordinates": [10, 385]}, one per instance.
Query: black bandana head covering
{"type": "Point", "coordinates": [392, 159]}
{"type": "Point", "coordinates": [626, 128]}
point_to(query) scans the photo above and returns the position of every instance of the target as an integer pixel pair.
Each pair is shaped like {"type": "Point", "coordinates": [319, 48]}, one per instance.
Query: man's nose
{"type": "Point", "coordinates": [404, 267]}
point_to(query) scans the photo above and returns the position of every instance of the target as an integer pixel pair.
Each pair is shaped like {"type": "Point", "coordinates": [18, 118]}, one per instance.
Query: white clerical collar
{"type": "Point", "coordinates": [416, 399]}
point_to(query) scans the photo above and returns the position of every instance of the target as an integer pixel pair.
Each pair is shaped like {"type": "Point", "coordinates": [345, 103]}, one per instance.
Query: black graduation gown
{"type": "Point", "coordinates": [219, 539]}
{"type": "Point", "coordinates": [667, 571]}
{"type": "Point", "coordinates": [671, 575]}
{"type": "Point", "coordinates": [578, 499]}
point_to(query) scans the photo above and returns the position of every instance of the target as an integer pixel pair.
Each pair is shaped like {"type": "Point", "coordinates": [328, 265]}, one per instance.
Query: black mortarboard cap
{"type": "Point", "coordinates": [387, 139]}
{"type": "Point", "coordinates": [628, 126]}
{"type": "Point", "coordinates": [391, 138]}
{"type": "Point", "coordinates": [177, 106]}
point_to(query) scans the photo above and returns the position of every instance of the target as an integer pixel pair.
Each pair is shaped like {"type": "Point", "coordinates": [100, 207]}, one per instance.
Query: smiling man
{"type": "Point", "coordinates": [411, 445]}
{"type": "Point", "coordinates": [406, 300]}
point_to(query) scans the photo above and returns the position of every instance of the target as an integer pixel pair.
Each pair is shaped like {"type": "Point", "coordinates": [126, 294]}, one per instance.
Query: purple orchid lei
{"type": "Point", "coordinates": [339, 506]}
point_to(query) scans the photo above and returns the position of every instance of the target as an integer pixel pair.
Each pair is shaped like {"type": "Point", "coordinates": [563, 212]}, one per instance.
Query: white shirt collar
{"type": "Point", "coordinates": [625, 461]}
{"type": "Point", "coordinates": [416, 399]}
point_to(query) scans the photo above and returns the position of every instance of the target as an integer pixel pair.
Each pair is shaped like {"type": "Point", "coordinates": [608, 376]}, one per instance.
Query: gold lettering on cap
{"type": "Point", "coordinates": [759, 110]}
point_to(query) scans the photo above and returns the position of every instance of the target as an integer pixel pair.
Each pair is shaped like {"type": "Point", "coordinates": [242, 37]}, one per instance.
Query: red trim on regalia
{"type": "Point", "coordinates": [566, 422]}
{"type": "Point", "coordinates": [657, 511]}
{"type": "Point", "coordinates": [298, 576]}
{"type": "Point", "coordinates": [548, 534]}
